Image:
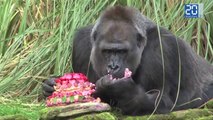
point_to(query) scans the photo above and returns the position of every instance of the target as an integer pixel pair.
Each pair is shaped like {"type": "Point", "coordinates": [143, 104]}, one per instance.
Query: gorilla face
{"type": "Point", "coordinates": [116, 46]}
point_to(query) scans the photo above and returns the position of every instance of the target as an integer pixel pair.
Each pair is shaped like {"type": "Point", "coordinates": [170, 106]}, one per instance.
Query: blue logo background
{"type": "Point", "coordinates": [191, 10]}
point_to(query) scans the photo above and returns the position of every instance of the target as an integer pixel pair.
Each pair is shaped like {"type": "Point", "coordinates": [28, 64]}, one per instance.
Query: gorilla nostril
{"type": "Point", "coordinates": [115, 67]}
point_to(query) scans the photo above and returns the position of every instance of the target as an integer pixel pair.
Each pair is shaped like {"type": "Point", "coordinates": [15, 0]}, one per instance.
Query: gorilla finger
{"type": "Point", "coordinates": [47, 88]}
{"type": "Point", "coordinates": [94, 94]}
{"type": "Point", "coordinates": [124, 80]}
{"type": "Point", "coordinates": [104, 81]}
{"type": "Point", "coordinates": [50, 82]}
{"type": "Point", "coordinates": [46, 94]}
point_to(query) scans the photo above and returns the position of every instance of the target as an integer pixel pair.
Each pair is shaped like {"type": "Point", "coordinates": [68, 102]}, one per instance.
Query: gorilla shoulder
{"type": "Point", "coordinates": [81, 52]}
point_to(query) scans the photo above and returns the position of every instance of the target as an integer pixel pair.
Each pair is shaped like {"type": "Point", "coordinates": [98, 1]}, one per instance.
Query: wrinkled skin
{"type": "Point", "coordinates": [121, 40]}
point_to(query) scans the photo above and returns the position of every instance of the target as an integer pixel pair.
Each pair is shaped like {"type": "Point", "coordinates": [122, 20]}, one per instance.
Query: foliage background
{"type": "Point", "coordinates": [36, 36]}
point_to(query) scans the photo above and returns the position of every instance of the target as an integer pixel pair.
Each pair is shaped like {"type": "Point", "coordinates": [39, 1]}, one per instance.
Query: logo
{"type": "Point", "coordinates": [193, 10]}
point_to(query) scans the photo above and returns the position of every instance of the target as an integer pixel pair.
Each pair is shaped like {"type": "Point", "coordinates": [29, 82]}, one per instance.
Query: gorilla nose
{"type": "Point", "coordinates": [112, 68]}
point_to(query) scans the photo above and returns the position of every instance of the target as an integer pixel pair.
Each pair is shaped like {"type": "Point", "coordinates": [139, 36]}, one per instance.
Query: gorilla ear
{"type": "Point", "coordinates": [142, 25]}
{"type": "Point", "coordinates": [93, 34]}
{"type": "Point", "coordinates": [140, 40]}
{"type": "Point", "coordinates": [141, 22]}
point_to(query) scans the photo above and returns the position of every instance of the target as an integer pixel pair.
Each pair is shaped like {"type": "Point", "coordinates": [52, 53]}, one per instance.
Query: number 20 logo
{"type": "Point", "coordinates": [191, 10]}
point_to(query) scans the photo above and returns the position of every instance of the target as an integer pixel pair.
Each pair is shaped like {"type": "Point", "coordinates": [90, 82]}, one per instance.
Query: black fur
{"type": "Point", "coordinates": [140, 94]}
{"type": "Point", "coordinates": [196, 73]}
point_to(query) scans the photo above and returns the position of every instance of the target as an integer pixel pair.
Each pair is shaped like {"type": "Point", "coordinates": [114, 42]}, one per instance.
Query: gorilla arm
{"type": "Point", "coordinates": [80, 59]}
{"type": "Point", "coordinates": [126, 95]}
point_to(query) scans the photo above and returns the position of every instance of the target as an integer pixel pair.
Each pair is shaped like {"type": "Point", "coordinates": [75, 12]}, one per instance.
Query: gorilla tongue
{"type": "Point", "coordinates": [127, 73]}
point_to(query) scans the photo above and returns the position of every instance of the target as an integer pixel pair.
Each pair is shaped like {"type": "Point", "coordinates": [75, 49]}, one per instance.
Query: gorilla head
{"type": "Point", "coordinates": [118, 41]}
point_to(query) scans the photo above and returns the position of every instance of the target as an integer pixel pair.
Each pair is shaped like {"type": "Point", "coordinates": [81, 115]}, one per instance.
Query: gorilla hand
{"type": "Point", "coordinates": [47, 87]}
{"type": "Point", "coordinates": [122, 93]}
{"type": "Point", "coordinates": [113, 87]}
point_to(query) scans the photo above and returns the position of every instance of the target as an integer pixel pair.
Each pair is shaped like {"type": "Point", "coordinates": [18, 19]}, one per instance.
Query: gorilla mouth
{"type": "Point", "coordinates": [127, 74]}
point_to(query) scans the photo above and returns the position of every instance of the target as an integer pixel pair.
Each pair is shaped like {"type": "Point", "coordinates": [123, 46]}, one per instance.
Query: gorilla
{"type": "Point", "coordinates": [167, 74]}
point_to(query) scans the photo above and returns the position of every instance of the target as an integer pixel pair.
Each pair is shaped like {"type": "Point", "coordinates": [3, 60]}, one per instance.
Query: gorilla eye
{"type": "Point", "coordinates": [106, 51]}
{"type": "Point", "coordinates": [110, 51]}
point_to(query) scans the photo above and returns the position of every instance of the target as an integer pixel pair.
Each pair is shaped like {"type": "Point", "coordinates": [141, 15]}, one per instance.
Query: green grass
{"type": "Point", "coordinates": [11, 109]}
{"type": "Point", "coordinates": [18, 110]}
{"type": "Point", "coordinates": [36, 36]}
